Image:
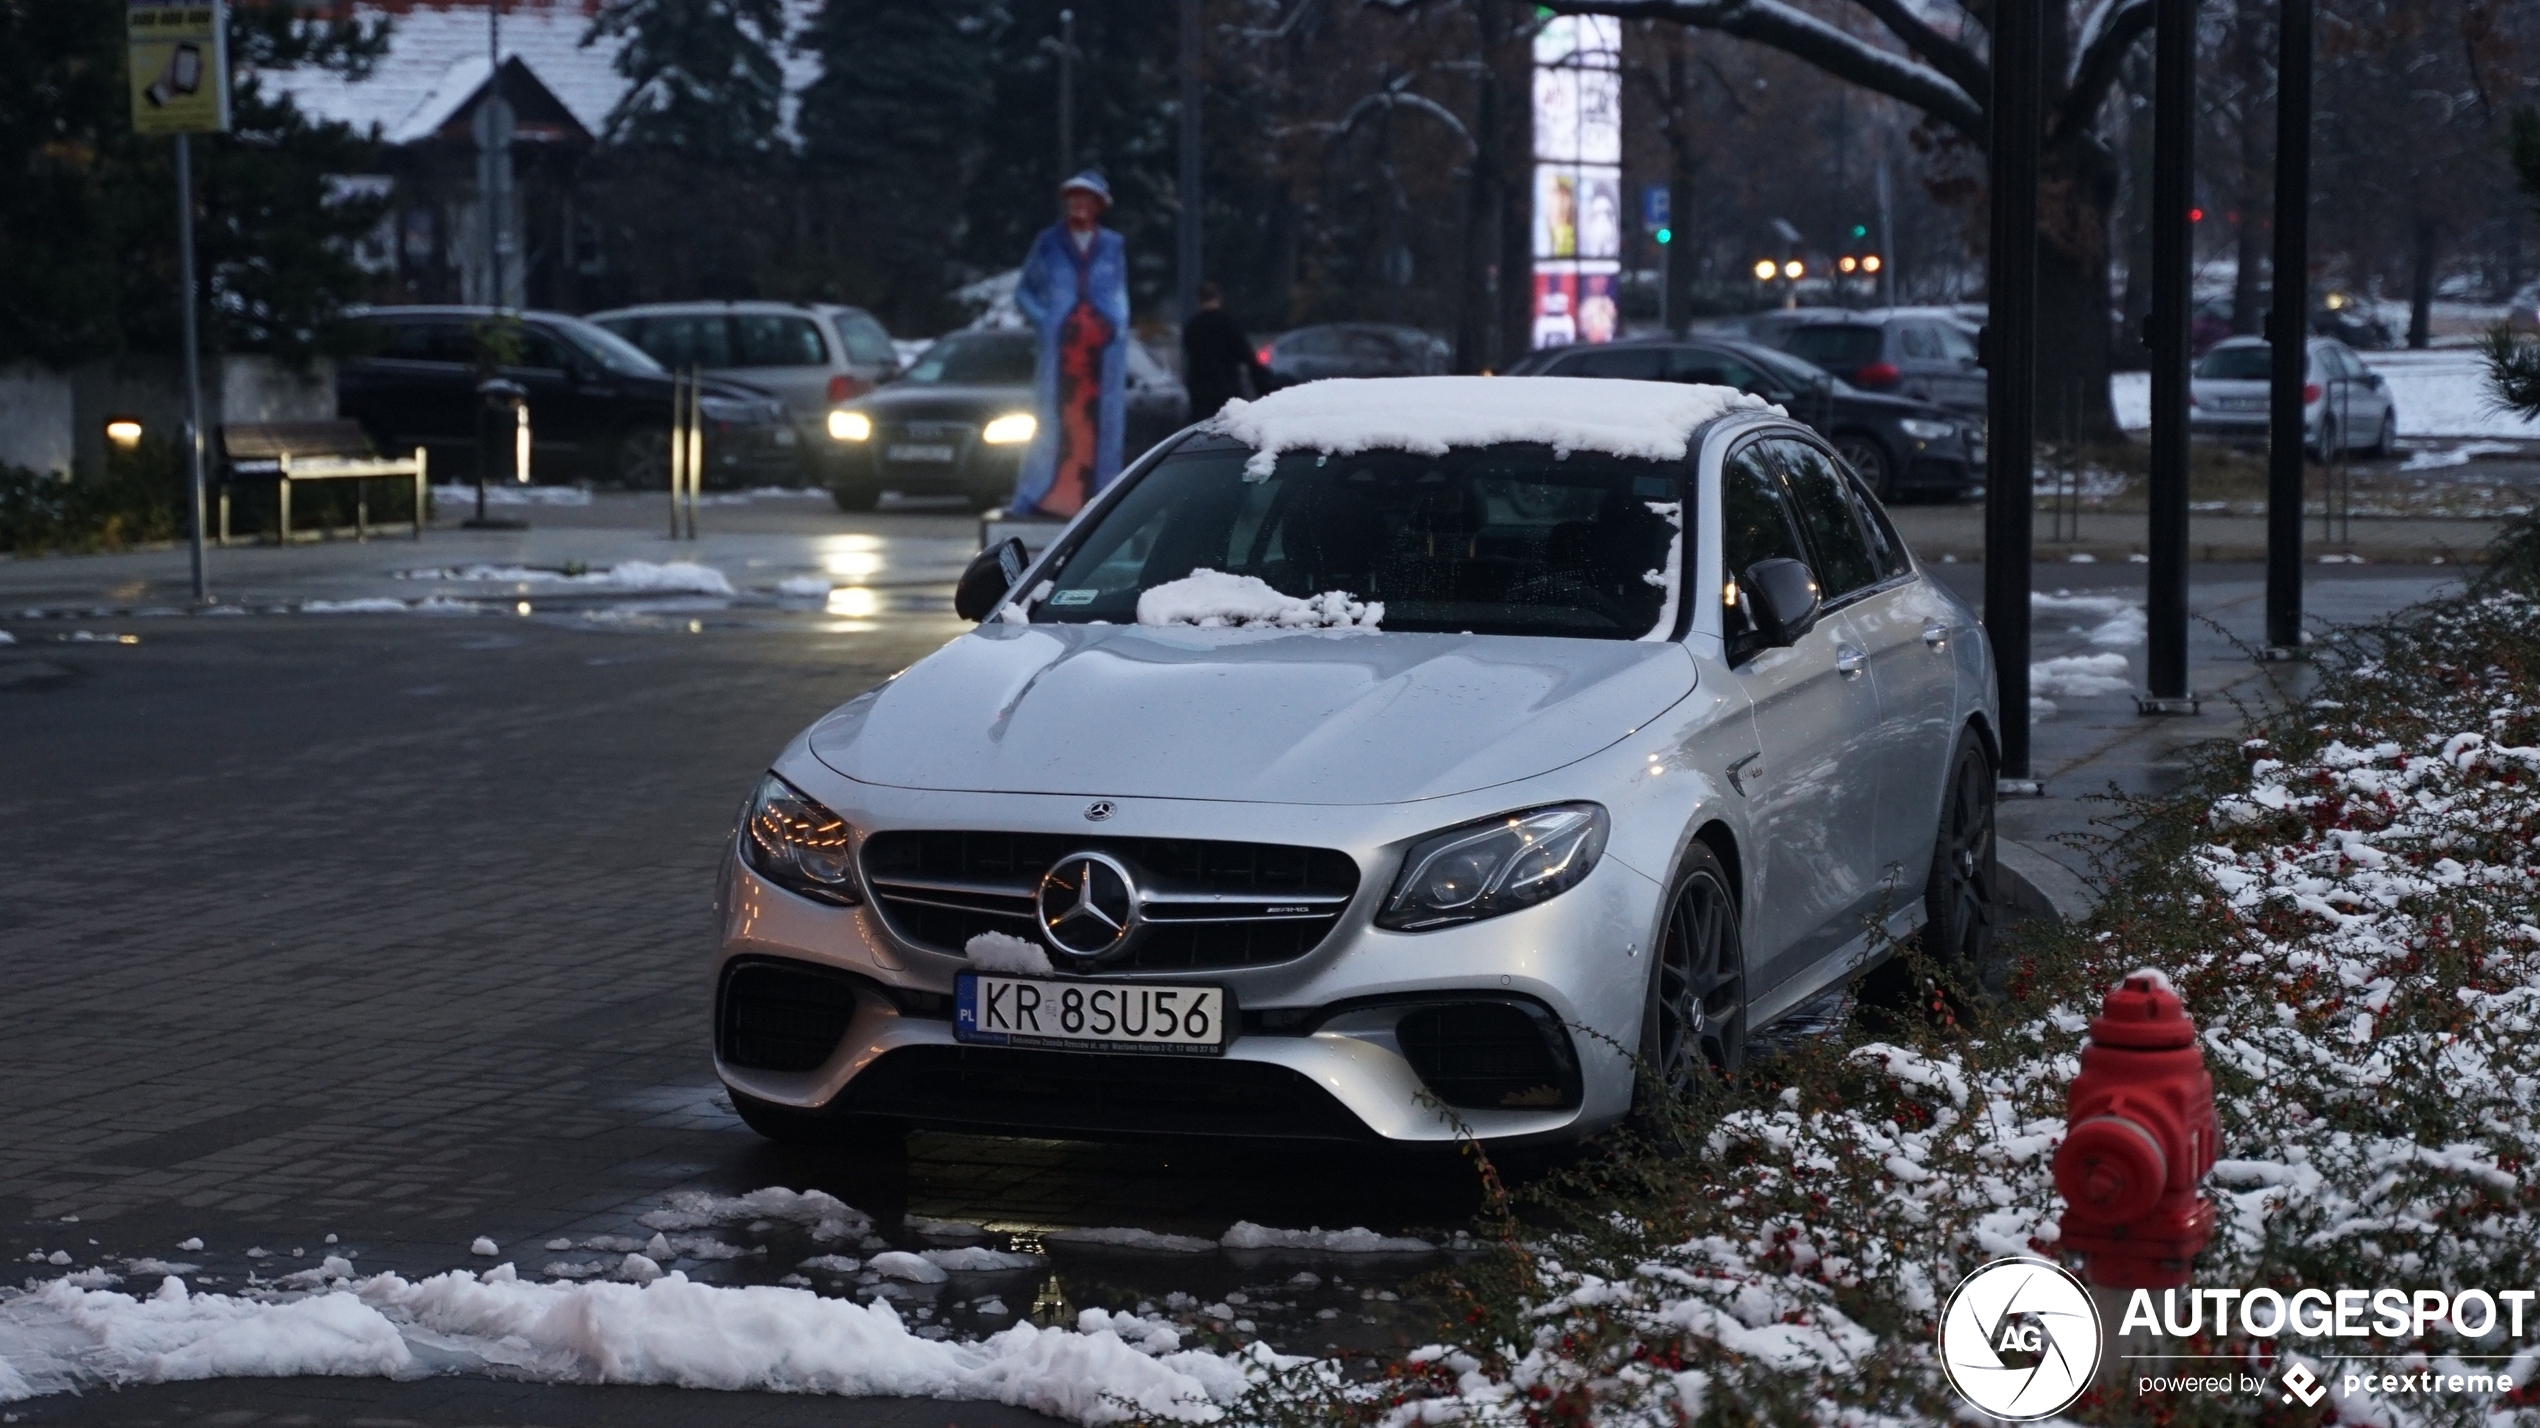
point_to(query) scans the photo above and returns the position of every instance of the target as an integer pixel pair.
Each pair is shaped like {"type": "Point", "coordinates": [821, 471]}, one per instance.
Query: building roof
{"type": "Point", "coordinates": [437, 64]}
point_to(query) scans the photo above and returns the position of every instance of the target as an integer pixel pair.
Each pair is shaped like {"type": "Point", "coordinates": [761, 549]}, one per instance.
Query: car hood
{"type": "Point", "coordinates": [1337, 717]}
{"type": "Point", "coordinates": [932, 399]}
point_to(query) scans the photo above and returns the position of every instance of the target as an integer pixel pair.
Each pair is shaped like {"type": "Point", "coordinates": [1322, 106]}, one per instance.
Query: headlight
{"type": "Point", "coordinates": [1494, 866]}
{"type": "Point", "coordinates": [850, 426]}
{"type": "Point", "coordinates": [1922, 430]}
{"type": "Point", "coordinates": [799, 845]}
{"type": "Point", "coordinates": [1012, 429]}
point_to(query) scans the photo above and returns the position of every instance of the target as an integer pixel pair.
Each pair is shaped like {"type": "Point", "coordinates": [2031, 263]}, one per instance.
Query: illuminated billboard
{"type": "Point", "coordinates": [1578, 191]}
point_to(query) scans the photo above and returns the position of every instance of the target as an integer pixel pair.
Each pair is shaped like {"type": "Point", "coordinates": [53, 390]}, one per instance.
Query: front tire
{"type": "Point", "coordinates": [855, 497]}
{"type": "Point", "coordinates": [2387, 443]}
{"type": "Point", "coordinates": [1869, 461]}
{"type": "Point", "coordinates": [1693, 1025]}
{"type": "Point", "coordinates": [639, 459]}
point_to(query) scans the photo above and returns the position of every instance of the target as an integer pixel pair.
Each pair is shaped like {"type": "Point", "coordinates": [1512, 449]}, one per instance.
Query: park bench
{"type": "Point", "coordinates": [290, 451]}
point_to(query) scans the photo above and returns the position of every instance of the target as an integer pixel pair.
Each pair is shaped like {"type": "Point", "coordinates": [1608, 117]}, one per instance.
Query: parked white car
{"type": "Point", "coordinates": [1374, 759]}
{"type": "Point", "coordinates": [809, 358]}
{"type": "Point", "coordinates": [2346, 406]}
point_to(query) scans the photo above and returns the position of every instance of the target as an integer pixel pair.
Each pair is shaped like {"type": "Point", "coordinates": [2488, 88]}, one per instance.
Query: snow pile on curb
{"type": "Point", "coordinates": [1213, 599]}
{"type": "Point", "coordinates": [2355, 925]}
{"type": "Point", "coordinates": [511, 493]}
{"type": "Point", "coordinates": [668, 1331]}
{"type": "Point", "coordinates": [1432, 415]}
{"type": "Point", "coordinates": [2075, 677]}
{"type": "Point", "coordinates": [674, 577]}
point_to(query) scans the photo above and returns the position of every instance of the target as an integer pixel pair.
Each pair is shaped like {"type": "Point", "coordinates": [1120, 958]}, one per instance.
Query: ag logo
{"type": "Point", "coordinates": [2020, 1339]}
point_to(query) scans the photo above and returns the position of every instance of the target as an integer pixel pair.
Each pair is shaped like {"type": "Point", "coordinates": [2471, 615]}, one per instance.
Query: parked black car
{"type": "Point", "coordinates": [958, 421]}
{"type": "Point", "coordinates": [599, 409]}
{"type": "Point", "coordinates": [1900, 447]}
{"type": "Point", "coordinates": [1355, 349]}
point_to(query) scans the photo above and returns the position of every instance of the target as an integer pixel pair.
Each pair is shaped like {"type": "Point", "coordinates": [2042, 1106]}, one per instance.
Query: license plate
{"type": "Point", "coordinates": [1089, 1016]}
{"type": "Point", "coordinates": [920, 453]}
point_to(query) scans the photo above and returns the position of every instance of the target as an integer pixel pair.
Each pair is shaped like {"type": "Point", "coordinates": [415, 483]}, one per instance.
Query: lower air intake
{"type": "Point", "coordinates": [781, 1016]}
{"type": "Point", "coordinates": [1492, 1056]}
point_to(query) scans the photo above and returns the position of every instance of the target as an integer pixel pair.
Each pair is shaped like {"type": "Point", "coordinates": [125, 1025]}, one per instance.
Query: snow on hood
{"type": "Point", "coordinates": [1213, 598]}
{"type": "Point", "coordinates": [1271, 716]}
{"type": "Point", "coordinates": [1430, 415]}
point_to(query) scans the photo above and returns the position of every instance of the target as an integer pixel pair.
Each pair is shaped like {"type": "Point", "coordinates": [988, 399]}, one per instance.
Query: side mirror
{"type": "Point", "coordinates": [2376, 379]}
{"type": "Point", "coordinates": [1781, 595]}
{"type": "Point", "coordinates": [990, 574]}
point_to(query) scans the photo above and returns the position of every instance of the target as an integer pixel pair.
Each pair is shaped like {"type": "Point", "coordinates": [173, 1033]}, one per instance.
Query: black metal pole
{"type": "Point", "coordinates": [1187, 234]}
{"type": "Point", "coordinates": [2288, 329]}
{"type": "Point", "coordinates": [193, 361]}
{"type": "Point", "coordinates": [2166, 332]}
{"type": "Point", "coordinates": [1066, 95]}
{"type": "Point", "coordinates": [2011, 359]}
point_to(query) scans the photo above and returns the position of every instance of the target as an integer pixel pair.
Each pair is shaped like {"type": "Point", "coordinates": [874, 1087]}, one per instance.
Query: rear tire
{"type": "Point", "coordinates": [855, 496]}
{"type": "Point", "coordinates": [1693, 1023]}
{"type": "Point", "coordinates": [1959, 896]}
{"type": "Point", "coordinates": [1869, 461]}
{"type": "Point", "coordinates": [639, 459]}
{"type": "Point", "coordinates": [2387, 443]}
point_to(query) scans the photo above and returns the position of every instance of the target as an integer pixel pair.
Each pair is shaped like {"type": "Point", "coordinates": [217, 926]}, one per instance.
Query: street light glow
{"type": "Point", "coordinates": [1870, 264]}
{"type": "Point", "coordinates": [124, 432]}
{"type": "Point", "coordinates": [1794, 270]}
{"type": "Point", "coordinates": [1847, 262]}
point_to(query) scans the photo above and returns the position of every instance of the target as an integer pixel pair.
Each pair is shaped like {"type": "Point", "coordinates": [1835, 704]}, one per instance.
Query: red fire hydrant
{"type": "Point", "coordinates": [2142, 1137]}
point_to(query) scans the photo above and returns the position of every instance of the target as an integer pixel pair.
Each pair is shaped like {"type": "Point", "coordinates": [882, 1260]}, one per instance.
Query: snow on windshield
{"type": "Point", "coordinates": [1430, 415]}
{"type": "Point", "coordinates": [1213, 599]}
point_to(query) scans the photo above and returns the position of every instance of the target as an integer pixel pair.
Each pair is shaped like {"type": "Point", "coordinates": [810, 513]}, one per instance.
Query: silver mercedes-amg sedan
{"type": "Point", "coordinates": [1383, 760]}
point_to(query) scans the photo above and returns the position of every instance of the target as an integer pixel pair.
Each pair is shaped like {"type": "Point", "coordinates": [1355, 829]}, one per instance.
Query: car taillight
{"type": "Point", "coordinates": [2310, 393]}
{"type": "Point", "coordinates": [1876, 375]}
{"type": "Point", "coordinates": [843, 386]}
{"type": "Point", "coordinates": [1262, 356]}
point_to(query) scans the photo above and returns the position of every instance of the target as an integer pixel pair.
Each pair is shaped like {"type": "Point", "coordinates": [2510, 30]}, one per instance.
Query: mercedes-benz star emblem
{"type": "Point", "coordinates": [1087, 905]}
{"type": "Point", "coordinates": [1098, 810]}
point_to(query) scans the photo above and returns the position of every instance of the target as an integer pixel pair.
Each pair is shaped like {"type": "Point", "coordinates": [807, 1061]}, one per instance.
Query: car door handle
{"type": "Point", "coordinates": [1936, 634]}
{"type": "Point", "coordinates": [1849, 661]}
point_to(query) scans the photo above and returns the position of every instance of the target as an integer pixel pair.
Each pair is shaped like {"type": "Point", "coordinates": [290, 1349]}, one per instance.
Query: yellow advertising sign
{"type": "Point", "coordinates": [180, 65]}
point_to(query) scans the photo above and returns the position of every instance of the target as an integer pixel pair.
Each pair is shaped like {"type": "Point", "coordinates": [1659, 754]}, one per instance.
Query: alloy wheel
{"type": "Point", "coordinates": [643, 459]}
{"type": "Point", "coordinates": [1960, 930]}
{"type": "Point", "coordinates": [1868, 461]}
{"type": "Point", "coordinates": [1701, 994]}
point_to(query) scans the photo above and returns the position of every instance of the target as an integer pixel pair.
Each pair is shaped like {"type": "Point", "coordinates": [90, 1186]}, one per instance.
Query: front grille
{"type": "Point", "coordinates": [781, 1016]}
{"type": "Point", "coordinates": [1065, 1092]}
{"type": "Point", "coordinates": [1484, 1055]}
{"type": "Point", "coordinates": [1208, 904]}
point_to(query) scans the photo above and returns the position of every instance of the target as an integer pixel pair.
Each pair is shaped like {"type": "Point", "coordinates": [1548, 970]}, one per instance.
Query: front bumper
{"type": "Point", "coordinates": [976, 469]}
{"type": "Point", "coordinates": [1342, 1043]}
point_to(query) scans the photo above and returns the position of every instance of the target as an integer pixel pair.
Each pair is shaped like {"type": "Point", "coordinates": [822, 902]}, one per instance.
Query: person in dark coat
{"type": "Point", "coordinates": [1215, 356]}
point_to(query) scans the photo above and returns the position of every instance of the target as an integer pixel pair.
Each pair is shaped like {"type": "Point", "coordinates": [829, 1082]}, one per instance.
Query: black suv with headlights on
{"type": "Point", "coordinates": [599, 408]}
{"type": "Point", "coordinates": [1901, 447]}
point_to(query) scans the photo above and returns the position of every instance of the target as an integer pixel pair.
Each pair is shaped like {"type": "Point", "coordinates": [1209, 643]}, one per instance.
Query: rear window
{"type": "Point", "coordinates": [866, 339]}
{"type": "Point", "coordinates": [768, 339]}
{"type": "Point", "coordinates": [1835, 347]}
{"type": "Point", "coordinates": [1499, 540]}
{"type": "Point", "coordinates": [682, 340]}
{"type": "Point", "coordinates": [2236, 364]}
{"type": "Point", "coordinates": [1647, 364]}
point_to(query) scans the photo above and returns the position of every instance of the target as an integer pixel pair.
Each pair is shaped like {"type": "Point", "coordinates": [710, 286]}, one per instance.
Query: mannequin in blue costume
{"type": "Point", "coordinates": [1075, 291]}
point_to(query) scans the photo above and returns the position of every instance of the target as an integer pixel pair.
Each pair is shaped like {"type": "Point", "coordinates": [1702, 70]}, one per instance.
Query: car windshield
{"type": "Point", "coordinates": [1834, 346]}
{"type": "Point", "coordinates": [1801, 375]}
{"type": "Point", "coordinates": [1497, 540]}
{"type": "Point", "coordinates": [976, 359]}
{"type": "Point", "coordinates": [2237, 364]}
{"type": "Point", "coordinates": [607, 348]}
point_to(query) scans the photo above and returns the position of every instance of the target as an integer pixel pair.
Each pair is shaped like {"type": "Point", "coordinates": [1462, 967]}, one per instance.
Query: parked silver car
{"type": "Point", "coordinates": [1381, 756]}
{"type": "Point", "coordinates": [810, 358]}
{"type": "Point", "coordinates": [2346, 406]}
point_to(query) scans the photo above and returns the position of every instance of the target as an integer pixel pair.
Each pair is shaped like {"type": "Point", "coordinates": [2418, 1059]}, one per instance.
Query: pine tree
{"type": "Point", "coordinates": [894, 123]}
{"type": "Point", "coordinates": [2513, 366]}
{"type": "Point", "coordinates": [703, 75]}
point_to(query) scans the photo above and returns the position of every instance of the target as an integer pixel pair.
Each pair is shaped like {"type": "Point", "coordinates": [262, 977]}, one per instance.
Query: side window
{"type": "Point", "coordinates": [688, 340]}
{"type": "Point", "coordinates": [1920, 344]}
{"type": "Point", "coordinates": [1955, 345]}
{"type": "Point", "coordinates": [866, 340]}
{"type": "Point", "coordinates": [1820, 496]}
{"type": "Point", "coordinates": [1693, 364]}
{"type": "Point", "coordinates": [1887, 549]}
{"type": "Point", "coordinates": [540, 349]}
{"type": "Point", "coordinates": [764, 339]}
{"type": "Point", "coordinates": [1646, 364]}
{"type": "Point", "coordinates": [1755, 525]}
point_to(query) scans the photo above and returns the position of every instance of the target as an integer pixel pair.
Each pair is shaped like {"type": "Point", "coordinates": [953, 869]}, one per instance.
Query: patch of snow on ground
{"type": "Point", "coordinates": [2437, 458]}
{"type": "Point", "coordinates": [2079, 676]}
{"type": "Point", "coordinates": [828, 1217]}
{"type": "Point", "coordinates": [2439, 392]}
{"type": "Point", "coordinates": [1004, 952]}
{"type": "Point", "coordinates": [1130, 1238]}
{"type": "Point", "coordinates": [1213, 599]}
{"type": "Point", "coordinates": [978, 1259]}
{"type": "Point", "coordinates": [803, 587]}
{"type": "Point", "coordinates": [59, 1338]}
{"type": "Point", "coordinates": [685, 577]}
{"type": "Point", "coordinates": [1432, 415]}
{"type": "Point", "coordinates": [901, 1264]}
{"type": "Point", "coordinates": [510, 494]}
{"type": "Point", "coordinates": [2120, 622]}
{"type": "Point", "coordinates": [1359, 1240]}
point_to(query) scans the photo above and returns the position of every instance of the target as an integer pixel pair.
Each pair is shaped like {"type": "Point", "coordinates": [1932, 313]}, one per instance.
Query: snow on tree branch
{"type": "Point", "coordinates": [1804, 36]}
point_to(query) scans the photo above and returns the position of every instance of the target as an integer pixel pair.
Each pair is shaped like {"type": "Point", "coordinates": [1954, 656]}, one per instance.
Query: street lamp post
{"type": "Point", "coordinates": [2166, 333]}
{"type": "Point", "coordinates": [2287, 330]}
{"type": "Point", "coordinates": [1187, 230]}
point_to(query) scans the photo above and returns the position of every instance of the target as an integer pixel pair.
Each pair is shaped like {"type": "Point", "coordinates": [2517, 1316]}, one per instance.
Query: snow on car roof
{"type": "Point", "coordinates": [1432, 415]}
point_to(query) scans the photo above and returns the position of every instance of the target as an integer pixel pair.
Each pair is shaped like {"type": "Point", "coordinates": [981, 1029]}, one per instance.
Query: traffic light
{"type": "Point", "coordinates": [1666, 235]}
{"type": "Point", "coordinates": [1860, 230]}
